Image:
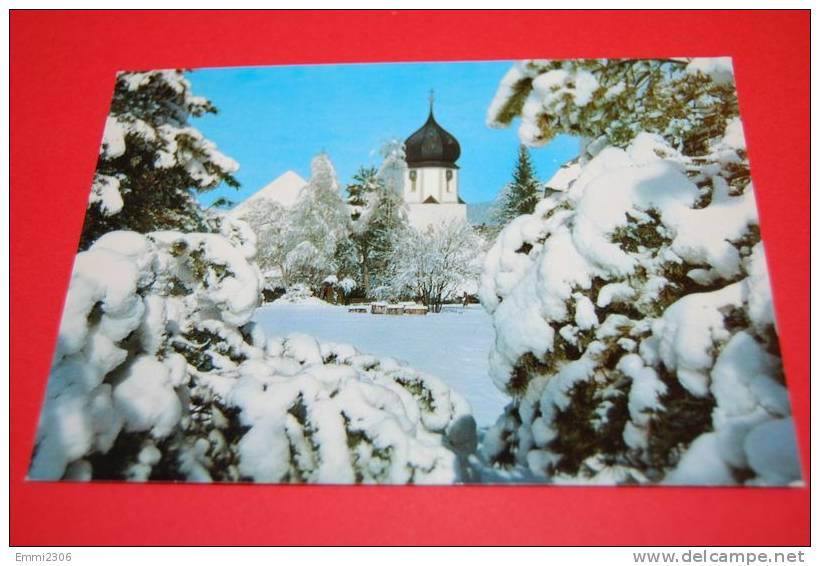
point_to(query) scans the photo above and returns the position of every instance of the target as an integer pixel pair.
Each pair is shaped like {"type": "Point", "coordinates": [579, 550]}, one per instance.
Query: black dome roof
{"type": "Point", "coordinates": [431, 145]}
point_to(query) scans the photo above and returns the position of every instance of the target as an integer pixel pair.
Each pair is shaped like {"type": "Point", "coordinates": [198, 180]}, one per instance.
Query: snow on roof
{"type": "Point", "coordinates": [283, 190]}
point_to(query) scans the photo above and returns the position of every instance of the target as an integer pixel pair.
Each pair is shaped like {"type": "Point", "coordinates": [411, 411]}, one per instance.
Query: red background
{"type": "Point", "coordinates": [62, 76]}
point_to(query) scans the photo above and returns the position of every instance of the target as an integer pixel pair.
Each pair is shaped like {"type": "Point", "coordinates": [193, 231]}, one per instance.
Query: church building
{"type": "Point", "coordinates": [431, 181]}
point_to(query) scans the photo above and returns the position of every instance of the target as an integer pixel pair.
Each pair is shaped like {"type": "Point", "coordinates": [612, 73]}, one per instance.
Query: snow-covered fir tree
{"type": "Point", "coordinates": [633, 312]}
{"type": "Point", "coordinates": [522, 194]}
{"type": "Point", "coordinates": [152, 161]}
{"type": "Point", "coordinates": [393, 166]}
{"type": "Point", "coordinates": [321, 225]}
{"type": "Point", "coordinates": [610, 101]}
{"type": "Point", "coordinates": [364, 199]}
{"type": "Point", "coordinates": [365, 182]}
{"type": "Point", "coordinates": [381, 220]}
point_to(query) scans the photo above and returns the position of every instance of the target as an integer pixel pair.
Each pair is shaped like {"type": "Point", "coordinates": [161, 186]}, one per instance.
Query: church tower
{"type": "Point", "coordinates": [431, 181]}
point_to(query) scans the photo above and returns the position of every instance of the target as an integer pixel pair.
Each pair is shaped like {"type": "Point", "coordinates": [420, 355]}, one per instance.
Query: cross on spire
{"type": "Point", "coordinates": [432, 97]}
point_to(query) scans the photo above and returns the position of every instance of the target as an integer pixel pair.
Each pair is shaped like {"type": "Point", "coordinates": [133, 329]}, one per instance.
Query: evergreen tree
{"type": "Point", "coordinates": [382, 220]}
{"type": "Point", "coordinates": [322, 228]}
{"type": "Point", "coordinates": [365, 183]}
{"type": "Point", "coordinates": [520, 196]}
{"type": "Point", "coordinates": [667, 144]}
{"type": "Point", "coordinates": [609, 101]}
{"type": "Point", "coordinates": [152, 162]}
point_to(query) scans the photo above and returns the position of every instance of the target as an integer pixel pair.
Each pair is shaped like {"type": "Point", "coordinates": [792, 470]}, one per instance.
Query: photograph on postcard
{"type": "Point", "coordinates": [501, 272]}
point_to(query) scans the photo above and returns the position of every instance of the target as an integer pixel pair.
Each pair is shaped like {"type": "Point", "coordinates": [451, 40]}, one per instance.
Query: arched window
{"type": "Point", "coordinates": [413, 180]}
{"type": "Point", "coordinates": [449, 176]}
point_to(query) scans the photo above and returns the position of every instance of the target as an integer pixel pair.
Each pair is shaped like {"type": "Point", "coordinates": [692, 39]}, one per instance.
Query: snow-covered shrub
{"type": "Point", "coordinates": [346, 286]}
{"type": "Point", "coordinates": [300, 294]}
{"type": "Point", "coordinates": [159, 374]}
{"type": "Point", "coordinates": [634, 323]}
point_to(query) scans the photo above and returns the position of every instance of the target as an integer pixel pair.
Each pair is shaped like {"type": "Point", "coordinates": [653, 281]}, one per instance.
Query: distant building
{"type": "Point", "coordinates": [563, 178]}
{"type": "Point", "coordinates": [284, 191]}
{"type": "Point", "coordinates": [431, 181]}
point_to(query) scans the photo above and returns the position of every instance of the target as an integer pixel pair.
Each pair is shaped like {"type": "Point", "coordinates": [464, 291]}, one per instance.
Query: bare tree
{"type": "Point", "coordinates": [432, 265]}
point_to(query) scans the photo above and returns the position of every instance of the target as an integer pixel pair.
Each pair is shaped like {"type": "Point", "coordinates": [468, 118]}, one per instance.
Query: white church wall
{"type": "Point", "coordinates": [431, 182]}
{"type": "Point", "coordinates": [423, 215]}
{"type": "Point", "coordinates": [448, 190]}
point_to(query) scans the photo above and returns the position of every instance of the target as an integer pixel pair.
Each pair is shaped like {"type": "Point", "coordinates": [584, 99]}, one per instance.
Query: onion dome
{"type": "Point", "coordinates": [431, 145]}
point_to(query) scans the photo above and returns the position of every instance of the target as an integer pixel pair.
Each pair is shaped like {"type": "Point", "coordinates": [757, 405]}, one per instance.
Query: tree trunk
{"type": "Point", "coordinates": [436, 300]}
{"type": "Point", "coordinates": [365, 273]}
{"type": "Point", "coordinates": [366, 279]}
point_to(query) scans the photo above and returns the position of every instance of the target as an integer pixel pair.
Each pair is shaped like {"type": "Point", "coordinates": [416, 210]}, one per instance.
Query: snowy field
{"type": "Point", "coordinates": [452, 346]}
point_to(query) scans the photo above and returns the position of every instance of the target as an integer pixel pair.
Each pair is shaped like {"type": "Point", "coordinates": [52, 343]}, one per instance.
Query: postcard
{"type": "Point", "coordinates": [503, 272]}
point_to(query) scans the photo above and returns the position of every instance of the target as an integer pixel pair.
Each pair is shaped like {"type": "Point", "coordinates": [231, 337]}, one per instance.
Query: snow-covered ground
{"type": "Point", "coordinates": [451, 345]}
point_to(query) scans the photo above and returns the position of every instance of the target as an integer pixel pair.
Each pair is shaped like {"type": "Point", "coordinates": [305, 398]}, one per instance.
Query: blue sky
{"type": "Point", "coordinates": [272, 119]}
